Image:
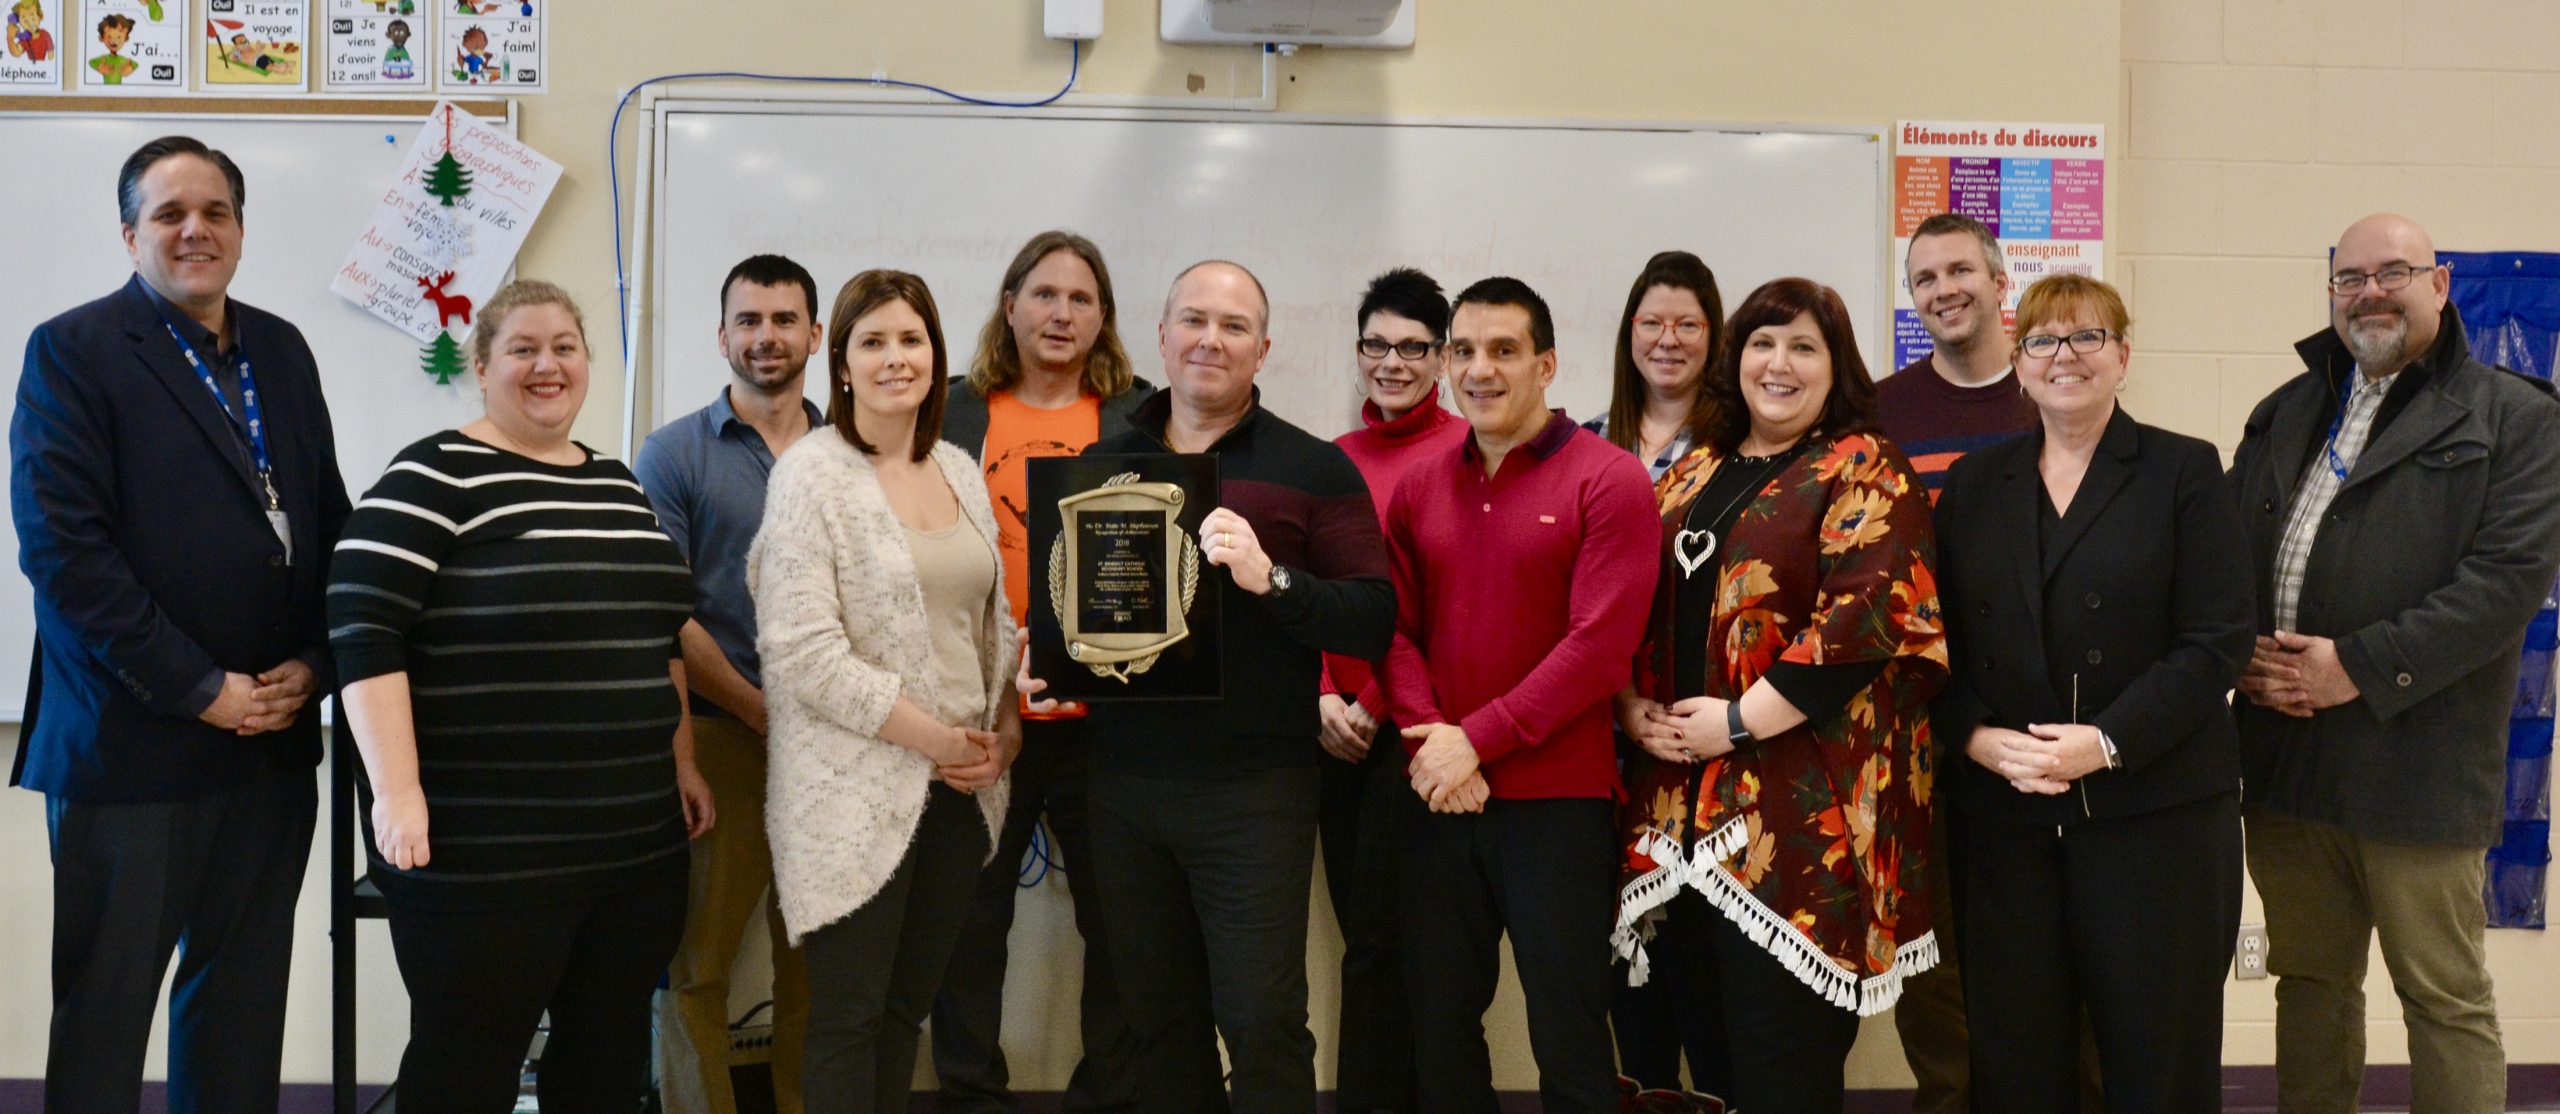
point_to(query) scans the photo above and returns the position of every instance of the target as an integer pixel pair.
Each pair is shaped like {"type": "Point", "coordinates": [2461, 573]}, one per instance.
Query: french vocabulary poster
{"type": "Point", "coordinates": [2040, 188]}
{"type": "Point", "coordinates": [133, 46]}
{"type": "Point", "coordinates": [256, 46]}
{"type": "Point", "coordinates": [492, 46]}
{"type": "Point", "coordinates": [377, 46]}
{"type": "Point", "coordinates": [31, 60]}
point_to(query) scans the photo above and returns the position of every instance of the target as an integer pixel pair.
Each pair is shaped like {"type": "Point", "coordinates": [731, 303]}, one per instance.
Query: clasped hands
{"type": "Point", "coordinates": [1445, 771]}
{"type": "Point", "coordinates": [1344, 728]}
{"type": "Point", "coordinates": [1684, 731]}
{"type": "Point", "coordinates": [2045, 758]}
{"type": "Point", "coordinates": [2296, 674]}
{"type": "Point", "coordinates": [269, 701]}
{"type": "Point", "coordinates": [971, 760]}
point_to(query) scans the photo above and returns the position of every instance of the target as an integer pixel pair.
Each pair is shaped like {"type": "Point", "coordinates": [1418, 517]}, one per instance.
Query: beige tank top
{"type": "Point", "coordinates": [957, 568]}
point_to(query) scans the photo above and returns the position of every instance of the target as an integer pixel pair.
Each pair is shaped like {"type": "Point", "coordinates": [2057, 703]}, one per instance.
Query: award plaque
{"type": "Point", "coordinates": [1123, 603]}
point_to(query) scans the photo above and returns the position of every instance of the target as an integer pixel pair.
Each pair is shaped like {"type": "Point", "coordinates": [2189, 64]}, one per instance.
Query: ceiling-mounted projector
{"type": "Point", "coordinates": [1363, 23]}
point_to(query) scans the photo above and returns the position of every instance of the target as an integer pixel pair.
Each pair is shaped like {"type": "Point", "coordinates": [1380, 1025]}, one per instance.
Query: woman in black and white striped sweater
{"type": "Point", "coordinates": [503, 609]}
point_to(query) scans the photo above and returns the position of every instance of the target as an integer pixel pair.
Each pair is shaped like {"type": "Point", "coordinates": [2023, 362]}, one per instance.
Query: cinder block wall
{"type": "Point", "coordinates": [2253, 132]}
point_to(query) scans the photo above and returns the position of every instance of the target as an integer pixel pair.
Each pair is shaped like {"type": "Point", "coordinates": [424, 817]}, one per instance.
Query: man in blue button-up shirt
{"type": "Point", "coordinates": [705, 473]}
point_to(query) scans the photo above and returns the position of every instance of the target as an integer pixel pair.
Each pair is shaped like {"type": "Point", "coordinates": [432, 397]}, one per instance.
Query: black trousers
{"type": "Point", "coordinates": [1204, 885]}
{"type": "Point", "coordinates": [480, 981]}
{"type": "Point", "coordinates": [1675, 1013]}
{"type": "Point", "coordinates": [1791, 1045]}
{"type": "Point", "coordinates": [968, 1017]}
{"type": "Point", "coordinates": [873, 973]}
{"type": "Point", "coordinates": [2131, 920]}
{"type": "Point", "coordinates": [1545, 872]}
{"type": "Point", "coordinates": [213, 878]}
{"type": "Point", "coordinates": [1366, 809]}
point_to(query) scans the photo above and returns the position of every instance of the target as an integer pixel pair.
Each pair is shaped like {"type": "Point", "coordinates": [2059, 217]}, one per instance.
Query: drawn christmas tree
{"type": "Point", "coordinates": [442, 358]}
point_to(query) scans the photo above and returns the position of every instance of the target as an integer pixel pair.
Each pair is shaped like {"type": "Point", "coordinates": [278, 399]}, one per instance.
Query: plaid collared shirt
{"type": "Point", "coordinates": [2320, 484]}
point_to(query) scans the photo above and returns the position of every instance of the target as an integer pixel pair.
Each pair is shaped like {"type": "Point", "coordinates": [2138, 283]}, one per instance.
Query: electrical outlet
{"type": "Point", "coordinates": [2250, 956]}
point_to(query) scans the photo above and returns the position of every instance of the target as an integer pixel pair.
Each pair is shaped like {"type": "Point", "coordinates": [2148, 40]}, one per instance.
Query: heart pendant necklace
{"type": "Point", "coordinates": [1680, 549]}
{"type": "Point", "coordinates": [1705, 536]}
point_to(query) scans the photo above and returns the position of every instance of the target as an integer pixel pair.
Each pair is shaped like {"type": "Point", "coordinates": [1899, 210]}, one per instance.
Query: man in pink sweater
{"type": "Point", "coordinates": [1524, 563]}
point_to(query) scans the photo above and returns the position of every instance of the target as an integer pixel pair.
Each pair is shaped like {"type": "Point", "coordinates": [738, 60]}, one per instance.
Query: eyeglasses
{"type": "Point", "coordinates": [1377, 349]}
{"type": "Point", "coordinates": [2391, 277]}
{"type": "Point", "coordinates": [2045, 346]}
{"type": "Point", "coordinates": [1688, 329]}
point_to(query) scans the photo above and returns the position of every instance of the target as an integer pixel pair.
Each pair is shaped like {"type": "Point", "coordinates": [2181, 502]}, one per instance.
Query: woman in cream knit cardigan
{"type": "Point", "coordinates": [888, 668]}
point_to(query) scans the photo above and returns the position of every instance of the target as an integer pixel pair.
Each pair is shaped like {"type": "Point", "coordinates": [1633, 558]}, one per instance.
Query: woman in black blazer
{"type": "Point", "coordinates": [2098, 610]}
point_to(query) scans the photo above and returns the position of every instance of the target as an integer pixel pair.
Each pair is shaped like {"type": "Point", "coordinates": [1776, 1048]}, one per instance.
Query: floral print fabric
{"type": "Point", "coordinates": [1805, 839]}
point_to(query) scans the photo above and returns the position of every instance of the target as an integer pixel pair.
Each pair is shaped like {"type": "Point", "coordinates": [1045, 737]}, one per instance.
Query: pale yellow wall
{"type": "Point", "coordinates": [2245, 160]}
{"type": "Point", "coordinates": [2256, 131]}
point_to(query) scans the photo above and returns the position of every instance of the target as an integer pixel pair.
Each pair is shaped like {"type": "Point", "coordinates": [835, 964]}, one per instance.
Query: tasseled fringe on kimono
{"type": "Point", "coordinates": [1640, 902]}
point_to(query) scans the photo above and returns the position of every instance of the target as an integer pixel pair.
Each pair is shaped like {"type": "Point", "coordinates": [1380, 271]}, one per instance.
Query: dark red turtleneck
{"type": "Point", "coordinates": [1383, 450]}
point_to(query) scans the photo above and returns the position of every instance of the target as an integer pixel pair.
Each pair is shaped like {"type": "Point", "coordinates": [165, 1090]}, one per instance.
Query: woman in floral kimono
{"type": "Point", "coordinates": [1782, 701]}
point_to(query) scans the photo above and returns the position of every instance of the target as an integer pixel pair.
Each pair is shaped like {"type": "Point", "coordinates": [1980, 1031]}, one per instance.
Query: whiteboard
{"type": "Point", "coordinates": [312, 183]}
{"type": "Point", "coordinates": [1314, 206]}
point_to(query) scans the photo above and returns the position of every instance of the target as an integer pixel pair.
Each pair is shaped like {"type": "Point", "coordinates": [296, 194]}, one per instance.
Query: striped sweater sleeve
{"type": "Point", "coordinates": [385, 564]}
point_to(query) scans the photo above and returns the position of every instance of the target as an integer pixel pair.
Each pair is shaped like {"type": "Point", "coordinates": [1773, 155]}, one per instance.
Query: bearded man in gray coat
{"type": "Point", "coordinates": [2403, 505]}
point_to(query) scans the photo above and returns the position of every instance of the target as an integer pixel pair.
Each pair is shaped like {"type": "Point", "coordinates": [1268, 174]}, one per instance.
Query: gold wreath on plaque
{"type": "Point", "coordinates": [1124, 654]}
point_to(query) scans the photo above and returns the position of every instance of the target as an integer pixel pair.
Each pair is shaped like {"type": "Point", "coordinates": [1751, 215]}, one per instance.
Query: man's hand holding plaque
{"type": "Point", "coordinates": [1228, 541]}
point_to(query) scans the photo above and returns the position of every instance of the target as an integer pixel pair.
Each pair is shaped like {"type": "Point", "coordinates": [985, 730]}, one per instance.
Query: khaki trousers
{"type": "Point", "coordinates": [732, 871]}
{"type": "Point", "coordinates": [2327, 892]}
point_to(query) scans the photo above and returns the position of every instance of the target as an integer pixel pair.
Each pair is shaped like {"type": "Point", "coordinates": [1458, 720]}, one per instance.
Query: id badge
{"type": "Point", "coordinates": [284, 533]}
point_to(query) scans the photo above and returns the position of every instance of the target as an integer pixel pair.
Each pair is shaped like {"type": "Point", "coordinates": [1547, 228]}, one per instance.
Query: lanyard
{"type": "Point", "coordinates": [2329, 450]}
{"type": "Point", "coordinates": [248, 402]}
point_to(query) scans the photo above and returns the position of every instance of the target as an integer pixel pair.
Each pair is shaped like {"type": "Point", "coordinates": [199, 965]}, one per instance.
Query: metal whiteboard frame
{"type": "Point", "coordinates": [648, 226]}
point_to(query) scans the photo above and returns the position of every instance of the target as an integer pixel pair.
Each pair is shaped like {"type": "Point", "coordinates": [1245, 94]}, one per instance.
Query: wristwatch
{"type": "Point", "coordinates": [1734, 731]}
{"type": "Point", "coordinates": [1281, 581]}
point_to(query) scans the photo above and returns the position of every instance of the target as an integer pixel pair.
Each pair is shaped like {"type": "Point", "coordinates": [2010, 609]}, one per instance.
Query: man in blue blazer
{"type": "Point", "coordinates": [175, 487]}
